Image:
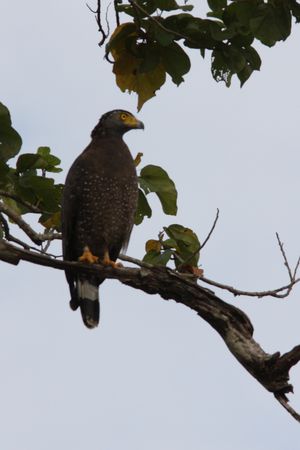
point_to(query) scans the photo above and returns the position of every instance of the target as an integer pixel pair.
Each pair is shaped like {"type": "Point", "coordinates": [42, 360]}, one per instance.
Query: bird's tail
{"type": "Point", "coordinates": [88, 300]}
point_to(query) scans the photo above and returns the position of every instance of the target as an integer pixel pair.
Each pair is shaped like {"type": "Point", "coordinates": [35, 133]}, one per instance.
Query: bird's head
{"type": "Point", "coordinates": [116, 123]}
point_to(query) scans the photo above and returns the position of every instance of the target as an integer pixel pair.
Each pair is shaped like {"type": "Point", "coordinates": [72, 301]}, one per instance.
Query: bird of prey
{"type": "Point", "coordinates": [98, 207]}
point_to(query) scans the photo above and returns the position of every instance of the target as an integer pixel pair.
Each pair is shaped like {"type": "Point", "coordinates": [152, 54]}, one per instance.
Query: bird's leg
{"type": "Point", "coordinates": [108, 262]}
{"type": "Point", "coordinates": [87, 256]}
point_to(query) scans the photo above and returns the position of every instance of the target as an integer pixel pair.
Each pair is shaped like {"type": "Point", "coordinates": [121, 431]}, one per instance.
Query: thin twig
{"type": "Point", "coordinates": [211, 230]}
{"type": "Point", "coordinates": [106, 20]}
{"type": "Point", "coordinates": [117, 13]}
{"type": "Point", "coordinates": [259, 294]}
{"type": "Point", "coordinates": [97, 13]}
{"type": "Point", "coordinates": [296, 268]}
{"type": "Point", "coordinates": [187, 261]}
{"type": "Point", "coordinates": [286, 263]}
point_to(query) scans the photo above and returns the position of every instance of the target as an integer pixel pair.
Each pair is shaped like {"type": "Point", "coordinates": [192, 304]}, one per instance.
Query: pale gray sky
{"type": "Point", "coordinates": [153, 375]}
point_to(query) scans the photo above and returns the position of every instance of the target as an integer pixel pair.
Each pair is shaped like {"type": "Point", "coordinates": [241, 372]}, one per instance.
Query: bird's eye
{"type": "Point", "coordinates": [123, 116]}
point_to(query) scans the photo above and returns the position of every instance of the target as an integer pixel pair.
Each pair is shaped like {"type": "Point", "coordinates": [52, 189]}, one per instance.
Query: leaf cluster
{"type": "Point", "coordinates": [155, 42]}
{"type": "Point", "coordinates": [24, 187]}
{"type": "Point", "coordinates": [176, 243]}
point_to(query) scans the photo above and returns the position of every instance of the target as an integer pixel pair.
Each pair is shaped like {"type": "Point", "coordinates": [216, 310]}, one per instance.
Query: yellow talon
{"type": "Point", "coordinates": [108, 262]}
{"type": "Point", "coordinates": [87, 256]}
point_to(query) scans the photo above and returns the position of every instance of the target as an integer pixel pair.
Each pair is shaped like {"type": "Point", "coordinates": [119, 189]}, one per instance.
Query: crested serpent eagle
{"type": "Point", "coordinates": [98, 207]}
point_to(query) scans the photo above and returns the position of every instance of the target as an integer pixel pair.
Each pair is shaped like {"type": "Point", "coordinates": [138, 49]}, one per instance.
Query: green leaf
{"type": "Point", "coordinates": [150, 57]}
{"type": "Point", "coordinates": [219, 32]}
{"type": "Point", "coordinates": [127, 68]}
{"type": "Point", "coordinates": [120, 34]}
{"type": "Point", "coordinates": [40, 191]}
{"type": "Point", "coordinates": [216, 5]}
{"type": "Point", "coordinates": [40, 160]}
{"type": "Point", "coordinates": [187, 244]}
{"type": "Point", "coordinates": [43, 151]}
{"type": "Point", "coordinates": [47, 161]}
{"type": "Point", "coordinates": [244, 74]}
{"type": "Point", "coordinates": [171, 5]}
{"type": "Point", "coordinates": [158, 258]}
{"type": "Point", "coordinates": [4, 171]}
{"type": "Point", "coordinates": [10, 140]}
{"type": "Point", "coordinates": [155, 179]}
{"type": "Point", "coordinates": [149, 7]}
{"type": "Point", "coordinates": [176, 62]}
{"type": "Point", "coordinates": [272, 23]}
{"type": "Point", "coordinates": [51, 221]}
{"type": "Point", "coordinates": [295, 8]}
{"type": "Point", "coordinates": [236, 59]}
{"type": "Point", "coordinates": [26, 162]}
{"type": "Point", "coordinates": [13, 205]}
{"type": "Point", "coordinates": [239, 14]}
{"type": "Point", "coordinates": [163, 37]}
{"type": "Point", "coordinates": [143, 209]}
{"type": "Point", "coordinates": [219, 67]}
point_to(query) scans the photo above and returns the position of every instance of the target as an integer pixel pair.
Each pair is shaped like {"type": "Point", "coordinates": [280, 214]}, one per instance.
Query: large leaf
{"type": "Point", "coordinates": [26, 162]}
{"type": "Point", "coordinates": [143, 209]}
{"type": "Point", "coordinates": [187, 245]}
{"type": "Point", "coordinates": [155, 179]}
{"type": "Point", "coordinates": [120, 34]}
{"type": "Point", "coordinates": [41, 160]}
{"type": "Point", "coordinates": [10, 140]}
{"type": "Point", "coordinates": [158, 258]}
{"type": "Point", "coordinates": [47, 161]}
{"type": "Point", "coordinates": [132, 77]}
{"type": "Point", "coordinates": [40, 191]}
{"type": "Point", "coordinates": [137, 66]}
{"type": "Point", "coordinates": [175, 61]}
{"type": "Point", "coordinates": [272, 23]}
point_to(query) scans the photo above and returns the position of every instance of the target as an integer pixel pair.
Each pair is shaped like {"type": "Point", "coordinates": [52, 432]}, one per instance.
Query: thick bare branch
{"type": "Point", "coordinates": [232, 324]}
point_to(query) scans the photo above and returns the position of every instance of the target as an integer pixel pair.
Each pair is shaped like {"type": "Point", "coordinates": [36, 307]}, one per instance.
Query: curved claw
{"type": "Point", "coordinates": [87, 256]}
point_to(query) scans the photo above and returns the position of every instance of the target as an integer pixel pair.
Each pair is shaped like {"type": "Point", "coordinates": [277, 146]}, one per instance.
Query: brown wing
{"type": "Point", "coordinates": [99, 200]}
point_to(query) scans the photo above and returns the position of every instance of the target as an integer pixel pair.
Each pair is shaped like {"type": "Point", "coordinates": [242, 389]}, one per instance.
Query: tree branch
{"type": "Point", "coordinates": [232, 324]}
{"type": "Point", "coordinates": [259, 294]}
{"type": "Point", "coordinates": [211, 230]}
{"type": "Point", "coordinates": [37, 238]}
{"type": "Point", "coordinates": [28, 205]}
{"type": "Point", "coordinates": [97, 13]}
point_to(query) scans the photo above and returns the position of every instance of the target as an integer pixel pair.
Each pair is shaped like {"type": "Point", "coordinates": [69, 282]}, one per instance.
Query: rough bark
{"type": "Point", "coordinates": [232, 324]}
